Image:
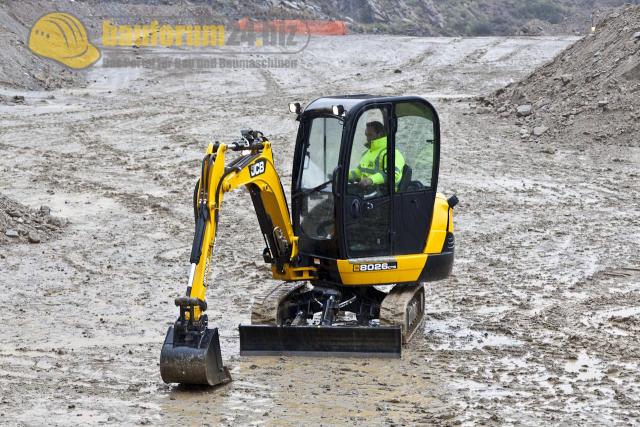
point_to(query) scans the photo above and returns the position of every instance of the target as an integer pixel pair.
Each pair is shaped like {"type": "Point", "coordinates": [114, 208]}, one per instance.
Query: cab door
{"type": "Point", "coordinates": [313, 199]}
{"type": "Point", "coordinates": [367, 206]}
{"type": "Point", "coordinates": [417, 151]}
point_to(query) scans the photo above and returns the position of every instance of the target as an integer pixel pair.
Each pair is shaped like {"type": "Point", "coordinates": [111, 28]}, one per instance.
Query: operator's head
{"type": "Point", "coordinates": [373, 130]}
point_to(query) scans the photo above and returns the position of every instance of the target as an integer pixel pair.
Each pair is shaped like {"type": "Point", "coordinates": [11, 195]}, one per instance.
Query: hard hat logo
{"type": "Point", "coordinates": [63, 38]}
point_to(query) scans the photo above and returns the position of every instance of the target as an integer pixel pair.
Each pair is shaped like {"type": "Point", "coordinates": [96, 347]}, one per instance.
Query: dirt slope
{"type": "Point", "coordinates": [19, 223]}
{"type": "Point", "coordinates": [589, 92]}
{"type": "Point", "coordinates": [19, 68]}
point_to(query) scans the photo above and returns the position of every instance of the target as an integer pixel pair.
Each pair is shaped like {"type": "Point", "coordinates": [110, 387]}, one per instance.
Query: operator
{"type": "Point", "coordinates": [372, 168]}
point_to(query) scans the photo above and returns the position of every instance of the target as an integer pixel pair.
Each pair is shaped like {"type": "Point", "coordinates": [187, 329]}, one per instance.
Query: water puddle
{"type": "Point", "coordinates": [586, 367]}
{"type": "Point", "coordinates": [458, 336]}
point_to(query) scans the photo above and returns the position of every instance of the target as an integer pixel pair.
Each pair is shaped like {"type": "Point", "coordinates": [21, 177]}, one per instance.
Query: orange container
{"type": "Point", "coordinates": [297, 26]}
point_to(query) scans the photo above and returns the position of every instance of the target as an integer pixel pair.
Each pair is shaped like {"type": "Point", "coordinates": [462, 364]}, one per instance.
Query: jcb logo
{"type": "Point", "coordinates": [257, 168]}
{"type": "Point", "coordinates": [377, 266]}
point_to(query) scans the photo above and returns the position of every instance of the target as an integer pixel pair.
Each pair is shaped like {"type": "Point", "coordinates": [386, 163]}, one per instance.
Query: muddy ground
{"type": "Point", "coordinates": [540, 322]}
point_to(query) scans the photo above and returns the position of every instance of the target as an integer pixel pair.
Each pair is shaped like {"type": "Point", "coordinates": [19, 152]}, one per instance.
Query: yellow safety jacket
{"type": "Point", "coordinates": [373, 164]}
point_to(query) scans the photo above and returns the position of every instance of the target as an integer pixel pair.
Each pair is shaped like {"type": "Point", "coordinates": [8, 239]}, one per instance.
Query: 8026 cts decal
{"type": "Point", "coordinates": [376, 266]}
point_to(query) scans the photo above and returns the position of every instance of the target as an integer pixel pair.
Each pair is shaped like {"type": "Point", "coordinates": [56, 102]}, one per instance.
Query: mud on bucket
{"type": "Point", "coordinates": [193, 363]}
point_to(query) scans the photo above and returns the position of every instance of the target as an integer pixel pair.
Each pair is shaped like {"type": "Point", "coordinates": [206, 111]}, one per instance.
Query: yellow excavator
{"type": "Point", "coordinates": [366, 230]}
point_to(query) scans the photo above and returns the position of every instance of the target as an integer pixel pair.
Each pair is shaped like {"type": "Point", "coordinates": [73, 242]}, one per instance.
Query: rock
{"type": "Point", "coordinates": [18, 99]}
{"type": "Point", "coordinates": [502, 109]}
{"type": "Point", "coordinates": [13, 213]}
{"type": "Point", "coordinates": [636, 35]}
{"type": "Point", "coordinates": [397, 71]}
{"type": "Point", "coordinates": [549, 150]}
{"type": "Point", "coordinates": [10, 232]}
{"type": "Point", "coordinates": [539, 130]}
{"type": "Point", "coordinates": [46, 210]}
{"type": "Point", "coordinates": [33, 237]}
{"type": "Point", "coordinates": [566, 78]}
{"type": "Point", "coordinates": [524, 110]}
{"type": "Point", "coordinates": [483, 110]}
{"type": "Point", "coordinates": [603, 103]}
{"type": "Point", "coordinates": [57, 222]}
{"type": "Point", "coordinates": [518, 95]}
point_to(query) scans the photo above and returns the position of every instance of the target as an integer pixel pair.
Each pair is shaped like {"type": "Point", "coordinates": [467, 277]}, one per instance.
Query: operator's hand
{"type": "Point", "coordinates": [365, 182]}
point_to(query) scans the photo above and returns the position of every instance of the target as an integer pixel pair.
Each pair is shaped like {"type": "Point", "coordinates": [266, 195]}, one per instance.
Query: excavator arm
{"type": "Point", "coordinates": [191, 352]}
{"type": "Point", "coordinates": [258, 174]}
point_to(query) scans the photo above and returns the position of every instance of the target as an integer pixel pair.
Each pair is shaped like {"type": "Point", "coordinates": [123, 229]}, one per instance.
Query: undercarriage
{"type": "Point", "coordinates": [359, 320]}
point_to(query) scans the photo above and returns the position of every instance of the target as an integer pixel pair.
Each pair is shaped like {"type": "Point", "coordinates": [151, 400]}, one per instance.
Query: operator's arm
{"type": "Point", "coordinates": [399, 166]}
{"type": "Point", "coordinates": [380, 177]}
{"type": "Point", "coordinates": [355, 174]}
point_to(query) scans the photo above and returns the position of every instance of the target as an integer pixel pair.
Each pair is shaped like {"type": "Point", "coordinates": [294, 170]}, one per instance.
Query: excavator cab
{"type": "Point", "coordinates": [335, 216]}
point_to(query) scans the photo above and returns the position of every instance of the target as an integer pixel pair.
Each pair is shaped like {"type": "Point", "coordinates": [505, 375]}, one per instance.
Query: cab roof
{"type": "Point", "coordinates": [322, 105]}
{"type": "Point", "coordinates": [349, 102]}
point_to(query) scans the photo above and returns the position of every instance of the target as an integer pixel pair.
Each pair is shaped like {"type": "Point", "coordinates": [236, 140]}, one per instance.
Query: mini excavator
{"type": "Point", "coordinates": [366, 230]}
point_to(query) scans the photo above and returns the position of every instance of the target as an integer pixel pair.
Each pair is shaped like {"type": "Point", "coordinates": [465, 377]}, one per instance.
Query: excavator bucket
{"type": "Point", "coordinates": [195, 362]}
{"type": "Point", "coordinates": [339, 341]}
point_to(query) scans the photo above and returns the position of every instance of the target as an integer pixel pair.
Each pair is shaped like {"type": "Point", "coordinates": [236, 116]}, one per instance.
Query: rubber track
{"type": "Point", "coordinates": [394, 309]}
{"type": "Point", "coordinates": [265, 307]}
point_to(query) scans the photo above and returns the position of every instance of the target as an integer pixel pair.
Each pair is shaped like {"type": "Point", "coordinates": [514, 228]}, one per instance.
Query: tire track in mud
{"type": "Point", "coordinates": [475, 56]}
{"type": "Point", "coordinates": [273, 89]}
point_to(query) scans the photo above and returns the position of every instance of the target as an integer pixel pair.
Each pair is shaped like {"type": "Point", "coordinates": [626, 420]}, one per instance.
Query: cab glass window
{"type": "Point", "coordinates": [320, 159]}
{"type": "Point", "coordinates": [415, 140]}
{"type": "Point", "coordinates": [368, 163]}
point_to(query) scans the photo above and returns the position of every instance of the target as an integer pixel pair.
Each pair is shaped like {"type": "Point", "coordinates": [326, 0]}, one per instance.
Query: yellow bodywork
{"type": "Point", "coordinates": [408, 267]}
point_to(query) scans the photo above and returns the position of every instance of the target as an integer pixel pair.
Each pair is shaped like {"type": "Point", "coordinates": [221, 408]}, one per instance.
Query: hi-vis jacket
{"type": "Point", "coordinates": [373, 163]}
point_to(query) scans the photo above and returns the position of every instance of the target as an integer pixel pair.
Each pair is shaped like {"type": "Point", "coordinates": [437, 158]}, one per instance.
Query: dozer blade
{"type": "Point", "coordinates": [340, 341]}
{"type": "Point", "coordinates": [197, 363]}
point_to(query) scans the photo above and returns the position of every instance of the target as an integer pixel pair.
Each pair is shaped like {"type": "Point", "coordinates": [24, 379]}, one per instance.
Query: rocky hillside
{"type": "Point", "coordinates": [446, 18]}
{"type": "Point", "coordinates": [18, 66]}
{"type": "Point", "coordinates": [587, 93]}
{"type": "Point", "coordinates": [21, 69]}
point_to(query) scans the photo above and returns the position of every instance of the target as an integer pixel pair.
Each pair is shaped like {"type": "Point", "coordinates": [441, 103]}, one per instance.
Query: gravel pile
{"type": "Point", "coordinates": [589, 93]}
{"type": "Point", "coordinates": [19, 223]}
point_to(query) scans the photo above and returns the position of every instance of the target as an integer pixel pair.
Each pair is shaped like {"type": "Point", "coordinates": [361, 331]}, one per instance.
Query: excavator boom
{"type": "Point", "coordinates": [191, 350]}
